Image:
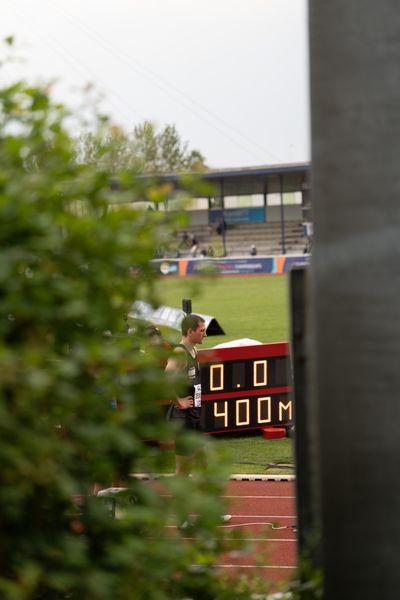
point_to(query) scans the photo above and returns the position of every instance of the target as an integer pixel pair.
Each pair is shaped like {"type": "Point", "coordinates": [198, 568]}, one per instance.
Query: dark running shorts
{"type": "Point", "coordinates": [188, 419]}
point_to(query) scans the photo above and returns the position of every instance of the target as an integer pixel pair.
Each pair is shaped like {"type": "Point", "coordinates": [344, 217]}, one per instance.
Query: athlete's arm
{"type": "Point", "coordinates": [176, 364]}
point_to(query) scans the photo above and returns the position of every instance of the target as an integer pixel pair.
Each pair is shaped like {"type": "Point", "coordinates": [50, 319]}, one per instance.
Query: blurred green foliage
{"type": "Point", "coordinates": [70, 267]}
{"type": "Point", "coordinates": [145, 150]}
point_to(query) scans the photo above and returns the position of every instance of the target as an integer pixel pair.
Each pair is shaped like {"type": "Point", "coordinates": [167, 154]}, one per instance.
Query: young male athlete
{"type": "Point", "coordinates": [186, 407]}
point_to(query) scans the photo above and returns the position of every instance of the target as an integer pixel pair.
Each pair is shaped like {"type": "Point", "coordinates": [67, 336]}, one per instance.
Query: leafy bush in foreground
{"type": "Point", "coordinates": [64, 264]}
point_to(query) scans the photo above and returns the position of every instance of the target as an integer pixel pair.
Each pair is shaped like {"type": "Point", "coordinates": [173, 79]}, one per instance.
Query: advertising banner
{"type": "Point", "coordinates": [258, 265]}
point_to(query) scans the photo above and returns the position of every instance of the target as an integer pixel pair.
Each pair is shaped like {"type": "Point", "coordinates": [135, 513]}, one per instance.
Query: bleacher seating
{"type": "Point", "coordinates": [267, 237]}
{"type": "Point", "coordinates": [238, 239]}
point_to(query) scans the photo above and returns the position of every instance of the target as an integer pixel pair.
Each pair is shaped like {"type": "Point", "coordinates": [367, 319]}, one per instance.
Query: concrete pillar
{"type": "Point", "coordinates": [355, 291]}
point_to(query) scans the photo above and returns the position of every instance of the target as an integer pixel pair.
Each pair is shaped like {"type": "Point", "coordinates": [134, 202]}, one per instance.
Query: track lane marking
{"type": "Point", "coordinates": [240, 516]}
{"type": "Point", "coordinates": [255, 567]}
{"type": "Point", "coordinates": [262, 497]}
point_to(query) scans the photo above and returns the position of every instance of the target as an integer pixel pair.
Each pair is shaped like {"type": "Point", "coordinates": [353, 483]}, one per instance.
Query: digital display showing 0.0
{"type": "Point", "coordinates": [247, 387]}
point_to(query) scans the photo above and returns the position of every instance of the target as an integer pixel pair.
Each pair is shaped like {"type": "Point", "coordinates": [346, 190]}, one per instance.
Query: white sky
{"type": "Point", "coordinates": [232, 75]}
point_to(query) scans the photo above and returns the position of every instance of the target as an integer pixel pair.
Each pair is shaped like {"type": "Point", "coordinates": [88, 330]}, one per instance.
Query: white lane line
{"type": "Point", "coordinates": [234, 477]}
{"type": "Point", "coordinates": [253, 517]}
{"type": "Point", "coordinates": [272, 525]}
{"type": "Point", "coordinates": [264, 497]}
{"type": "Point", "coordinates": [232, 526]}
{"type": "Point", "coordinates": [292, 540]}
{"type": "Point", "coordinates": [255, 567]}
{"type": "Point", "coordinates": [248, 497]}
{"type": "Point", "coordinates": [240, 516]}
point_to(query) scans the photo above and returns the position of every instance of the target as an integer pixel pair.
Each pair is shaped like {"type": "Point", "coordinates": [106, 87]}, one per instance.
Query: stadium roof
{"type": "Point", "coordinates": [253, 180]}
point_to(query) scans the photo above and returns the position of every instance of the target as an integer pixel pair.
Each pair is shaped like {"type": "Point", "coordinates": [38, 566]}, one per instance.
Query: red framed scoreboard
{"type": "Point", "coordinates": [247, 387]}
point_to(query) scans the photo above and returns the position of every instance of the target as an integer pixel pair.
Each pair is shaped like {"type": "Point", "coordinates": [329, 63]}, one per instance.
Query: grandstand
{"type": "Point", "coordinates": [267, 237]}
{"type": "Point", "coordinates": [266, 206]}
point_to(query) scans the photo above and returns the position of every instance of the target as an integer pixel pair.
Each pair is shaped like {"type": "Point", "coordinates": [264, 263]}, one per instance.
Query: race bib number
{"type": "Point", "coordinates": [197, 395]}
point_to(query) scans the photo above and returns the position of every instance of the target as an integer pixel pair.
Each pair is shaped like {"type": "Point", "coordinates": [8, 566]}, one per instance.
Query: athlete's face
{"type": "Point", "coordinates": [197, 335]}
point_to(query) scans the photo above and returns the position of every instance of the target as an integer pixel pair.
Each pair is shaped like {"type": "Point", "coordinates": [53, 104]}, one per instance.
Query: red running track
{"type": "Point", "coordinates": [265, 512]}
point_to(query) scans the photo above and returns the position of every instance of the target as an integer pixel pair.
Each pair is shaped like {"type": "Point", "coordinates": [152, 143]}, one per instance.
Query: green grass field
{"type": "Point", "coordinates": [245, 307]}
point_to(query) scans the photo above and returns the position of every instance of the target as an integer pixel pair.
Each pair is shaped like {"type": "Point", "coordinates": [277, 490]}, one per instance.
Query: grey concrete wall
{"type": "Point", "coordinates": [293, 212]}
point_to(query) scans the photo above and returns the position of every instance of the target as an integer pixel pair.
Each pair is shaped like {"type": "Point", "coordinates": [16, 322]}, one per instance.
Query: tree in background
{"type": "Point", "coordinates": [145, 150]}
{"type": "Point", "coordinates": [64, 265]}
{"type": "Point", "coordinates": [108, 149]}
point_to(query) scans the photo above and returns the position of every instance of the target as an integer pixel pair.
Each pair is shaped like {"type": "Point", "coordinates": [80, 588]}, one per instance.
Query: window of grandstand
{"type": "Point", "coordinates": [244, 201]}
{"type": "Point", "coordinates": [288, 198]}
{"type": "Point", "coordinates": [255, 200]}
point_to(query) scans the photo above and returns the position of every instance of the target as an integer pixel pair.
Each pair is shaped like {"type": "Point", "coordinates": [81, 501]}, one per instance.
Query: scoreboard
{"type": "Point", "coordinates": [246, 387]}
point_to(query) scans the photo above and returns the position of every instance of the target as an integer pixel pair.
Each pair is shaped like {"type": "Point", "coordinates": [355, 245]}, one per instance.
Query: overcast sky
{"type": "Point", "coordinates": [232, 75]}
